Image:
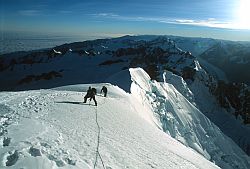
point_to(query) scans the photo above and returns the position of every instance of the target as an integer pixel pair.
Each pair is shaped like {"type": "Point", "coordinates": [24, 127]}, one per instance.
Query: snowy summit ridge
{"type": "Point", "coordinates": [157, 118]}
{"type": "Point", "coordinates": [63, 133]}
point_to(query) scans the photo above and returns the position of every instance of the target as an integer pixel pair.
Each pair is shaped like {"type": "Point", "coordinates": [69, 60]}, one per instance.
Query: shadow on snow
{"type": "Point", "coordinates": [81, 103]}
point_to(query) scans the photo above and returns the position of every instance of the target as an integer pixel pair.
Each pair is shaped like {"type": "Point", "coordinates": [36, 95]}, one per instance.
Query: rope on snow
{"type": "Point", "coordinates": [98, 141]}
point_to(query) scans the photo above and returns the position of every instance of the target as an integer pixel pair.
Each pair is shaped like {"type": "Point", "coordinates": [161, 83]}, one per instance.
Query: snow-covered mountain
{"type": "Point", "coordinates": [227, 60]}
{"type": "Point", "coordinates": [89, 61]}
{"type": "Point", "coordinates": [232, 58]}
{"type": "Point", "coordinates": [54, 129]}
{"type": "Point", "coordinates": [95, 61]}
{"type": "Point", "coordinates": [188, 107]}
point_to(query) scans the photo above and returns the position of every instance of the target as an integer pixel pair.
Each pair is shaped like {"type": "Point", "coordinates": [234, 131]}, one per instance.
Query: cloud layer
{"type": "Point", "coordinates": [210, 22]}
{"type": "Point", "coordinates": [29, 12]}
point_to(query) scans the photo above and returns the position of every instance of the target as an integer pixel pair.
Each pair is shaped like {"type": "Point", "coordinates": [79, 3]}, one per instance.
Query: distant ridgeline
{"type": "Point", "coordinates": [231, 57]}
{"type": "Point", "coordinates": [95, 61]}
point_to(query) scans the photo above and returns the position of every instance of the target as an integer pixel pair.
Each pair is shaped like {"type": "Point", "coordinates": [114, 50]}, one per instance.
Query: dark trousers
{"type": "Point", "coordinates": [91, 97]}
{"type": "Point", "coordinates": [105, 94]}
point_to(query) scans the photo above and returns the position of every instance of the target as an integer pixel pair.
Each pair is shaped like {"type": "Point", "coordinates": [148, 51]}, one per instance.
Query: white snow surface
{"type": "Point", "coordinates": [53, 128]}
{"type": "Point", "coordinates": [57, 52]}
{"type": "Point", "coordinates": [185, 122]}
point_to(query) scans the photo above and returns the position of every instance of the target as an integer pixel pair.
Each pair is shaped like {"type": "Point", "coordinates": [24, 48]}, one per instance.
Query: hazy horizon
{"type": "Point", "coordinates": [225, 19]}
{"type": "Point", "coordinates": [27, 41]}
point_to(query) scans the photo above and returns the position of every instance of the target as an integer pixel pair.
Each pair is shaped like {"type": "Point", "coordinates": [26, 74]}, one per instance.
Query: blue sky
{"type": "Point", "coordinates": [224, 19]}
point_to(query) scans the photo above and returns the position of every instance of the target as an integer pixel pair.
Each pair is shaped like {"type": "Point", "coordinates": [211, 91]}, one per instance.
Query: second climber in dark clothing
{"type": "Point", "coordinates": [104, 90]}
{"type": "Point", "coordinates": [90, 94]}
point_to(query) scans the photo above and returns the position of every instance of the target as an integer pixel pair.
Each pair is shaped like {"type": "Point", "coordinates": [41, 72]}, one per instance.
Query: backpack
{"type": "Point", "coordinates": [93, 91]}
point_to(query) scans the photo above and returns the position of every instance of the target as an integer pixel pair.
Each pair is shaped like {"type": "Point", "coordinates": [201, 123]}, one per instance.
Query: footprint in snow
{"type": "Point", "coordinates": [59, 156]}
{"type": "Point", "coordinates": [6, 141]}
{"type": "Point", "coordinates": [12, 158]}
{"type": "Point", "coordinates": [35, 152]}
{"type": "Point", "coordinates": [59, 162]}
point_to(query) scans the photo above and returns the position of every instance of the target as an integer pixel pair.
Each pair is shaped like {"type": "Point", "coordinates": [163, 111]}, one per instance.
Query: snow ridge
{"type": "Point", "coordinates": [184, 122]}
{"type": "Point", "coordinates": [62, 132]}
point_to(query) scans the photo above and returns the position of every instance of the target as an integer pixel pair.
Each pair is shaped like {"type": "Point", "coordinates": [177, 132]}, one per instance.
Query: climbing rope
{"type": "Point", "coordinates": [98, 140]}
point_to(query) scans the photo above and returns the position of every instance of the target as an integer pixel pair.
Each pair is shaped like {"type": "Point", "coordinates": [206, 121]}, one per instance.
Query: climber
{"type": "Point", "coordinates": [104, 90]}
{"type": "Point", "coordinates": [90, 94]}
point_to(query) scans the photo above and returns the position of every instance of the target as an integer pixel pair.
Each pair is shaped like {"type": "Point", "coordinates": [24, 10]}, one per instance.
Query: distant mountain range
{"type": "Point", "coordinates": [233, 58]}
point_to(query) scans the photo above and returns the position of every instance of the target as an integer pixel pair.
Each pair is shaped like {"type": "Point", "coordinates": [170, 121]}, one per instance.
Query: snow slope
{"type": "Point", "coordinates": [54, 129]}
{"type": "Point", "coordinates": [207, 104]}
{"type": "Point", "coordinates": [186, 123]}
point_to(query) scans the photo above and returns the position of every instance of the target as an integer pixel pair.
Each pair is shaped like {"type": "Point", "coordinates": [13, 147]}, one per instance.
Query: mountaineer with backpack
{"type": "Point", "coordinates": [90, 94]}
{"type": "Point", "coordinates": [104, 90]}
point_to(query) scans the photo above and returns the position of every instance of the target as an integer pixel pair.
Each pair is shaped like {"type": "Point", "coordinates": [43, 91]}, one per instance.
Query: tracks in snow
{"type": "Point", "coordinates": [98, 139]}
{"type": "Point", "coordinates": [32, 109]}
{"type": "Point", "coordinates": [98, 142]}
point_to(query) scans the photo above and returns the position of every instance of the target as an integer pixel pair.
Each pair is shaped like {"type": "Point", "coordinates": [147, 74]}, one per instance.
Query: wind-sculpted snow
{"type": "Point", "coordinates": [180, 85]}
{"type": "Point", "coordinates": [222, 117]}
{"type": "Point", "coordinates": [55, 129]}
{"type": "Point", "coordinates": [184, 122]}
{"type": "Point", "coordinates": [29, 133]}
